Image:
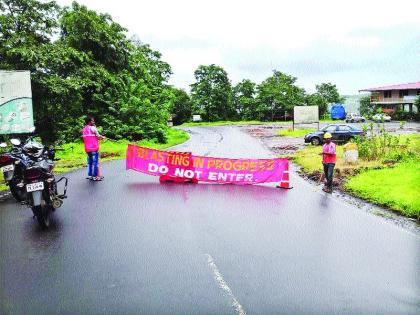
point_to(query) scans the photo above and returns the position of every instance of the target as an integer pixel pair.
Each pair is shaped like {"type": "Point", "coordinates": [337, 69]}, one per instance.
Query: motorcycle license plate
{"type": "Point", "coordinates": [35, 186]}
{"type": "Point", "coordinates": [7, 168]}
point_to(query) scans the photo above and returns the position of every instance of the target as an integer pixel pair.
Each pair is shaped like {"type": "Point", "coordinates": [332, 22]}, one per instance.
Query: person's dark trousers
{"type": "Point", "coordinates": [328, 172]}
{"type": "Point", "coordinates": [93, 158]}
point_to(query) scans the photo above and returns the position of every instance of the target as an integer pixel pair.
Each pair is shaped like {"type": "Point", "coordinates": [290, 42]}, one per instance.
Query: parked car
{"type": "Point", "coordinates": [340, 134]}
{"type": "Point", "coordinates": [380, 117]}
{"type": "Point", "coordinates": [352, 117]}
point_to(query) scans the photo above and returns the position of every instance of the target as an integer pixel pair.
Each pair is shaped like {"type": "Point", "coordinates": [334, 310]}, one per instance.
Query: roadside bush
{"type": "Point", "coordinates": [383, 146]}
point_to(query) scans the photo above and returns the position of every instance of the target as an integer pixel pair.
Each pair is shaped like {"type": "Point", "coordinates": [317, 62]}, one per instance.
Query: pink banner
{"type": "Point", "coordinates": [203, 168]}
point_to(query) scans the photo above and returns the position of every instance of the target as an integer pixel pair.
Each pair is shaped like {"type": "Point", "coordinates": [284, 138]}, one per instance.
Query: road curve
{"type": "Point", "coordinates": [130, 245]}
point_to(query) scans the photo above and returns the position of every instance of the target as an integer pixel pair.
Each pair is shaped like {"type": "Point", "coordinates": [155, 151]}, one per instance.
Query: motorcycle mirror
{"type": "Point", "coordinates": [15, 141]}
{"type": "Point", "coordinates": [3, 145]}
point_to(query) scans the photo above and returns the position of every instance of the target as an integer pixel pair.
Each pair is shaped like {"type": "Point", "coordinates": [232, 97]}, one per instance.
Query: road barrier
{"type": "Point", "coordinates": [178, 179]}
{"type": "Point", "coordinates": [185, 167]}
{"type": "Point", "coordinates": [285, 181]}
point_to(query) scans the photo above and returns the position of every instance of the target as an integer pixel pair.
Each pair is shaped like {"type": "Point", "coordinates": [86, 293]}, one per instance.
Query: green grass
{"type": "Point", "coordinates": [329, 120]}
{"type": "Point", "coordinates": [221, 123]}
{"type": "Point", "coordinates": [414, 142]}
{"type": "Point", "coordinates": [397, 187]}
{"type": "Point", "coordinates": [74, 156]}
{"type": "Point", "coordinates": [297, 133]}
{"type": "Point", "coordinates": [311, 161]}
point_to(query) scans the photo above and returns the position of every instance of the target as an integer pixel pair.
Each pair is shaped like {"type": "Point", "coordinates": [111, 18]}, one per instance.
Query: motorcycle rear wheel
{"type": "Point", "coordinates": [42, 214]}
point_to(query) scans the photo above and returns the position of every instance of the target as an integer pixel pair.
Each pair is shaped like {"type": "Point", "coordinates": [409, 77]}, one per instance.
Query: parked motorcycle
{"type": "Point", "coordinates": [41, 186]}
{"type": "Point", "coordinates": [12, 165]}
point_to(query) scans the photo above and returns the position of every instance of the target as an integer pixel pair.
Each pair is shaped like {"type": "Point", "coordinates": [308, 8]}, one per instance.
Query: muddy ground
{"type": "Point", "coordinates": [285, 146]}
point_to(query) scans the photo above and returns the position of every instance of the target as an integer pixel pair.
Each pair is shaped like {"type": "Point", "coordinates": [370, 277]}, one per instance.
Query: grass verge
{"type": "Point", "coordinates": [221, 123]}
{"type": "Point", "coordinates": [297, 133]}
{"type": "Point", "coordinates": [395, 185]}
{"type": "Point", "coordinates": [74, 156]}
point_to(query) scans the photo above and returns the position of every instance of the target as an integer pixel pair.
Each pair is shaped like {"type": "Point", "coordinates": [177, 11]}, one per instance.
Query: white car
{"type": "Point", "coordinates": [352, 117]}
{"type": "Point", "coordinates": [380, 117]}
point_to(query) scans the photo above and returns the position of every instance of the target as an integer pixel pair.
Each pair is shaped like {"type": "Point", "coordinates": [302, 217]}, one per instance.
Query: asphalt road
{"type": "Point", "coordinates": [130, 245]}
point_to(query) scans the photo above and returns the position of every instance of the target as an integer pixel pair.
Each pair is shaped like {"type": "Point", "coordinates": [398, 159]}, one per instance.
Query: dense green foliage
{"type": "Point", "coordinates": [278, 94]}
{"type": "Point", "coordinates": [365, 107]}
{"type": "Point", "coordinates": [181, 108]}
{"type": "Point", "coordinates": [326, 93]}
{"type": "Point", "coordinates": [211, 94]}
{"type": "Point", "coordinates": [214, 98]}
{"type": "Point", "coordinates": [244, 100]}
{"type": "Point", "coordinates": [82, 63]}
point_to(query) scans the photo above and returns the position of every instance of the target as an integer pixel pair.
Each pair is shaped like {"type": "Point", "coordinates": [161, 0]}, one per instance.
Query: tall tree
{"type": "Point", "coordinates": [25, 26]}
{"type": "Point", "coordinates": [90, 68]}
{"type": "Point", "coordinates": [326, 94]}
{"type": "Point", "coordinates": [365, 108]}
{"type": "Point", "coordinates": [244, 100]}
{"type": "Point", "coordinates": [278, 94]}
{"type": "Point", "coordinates": [212, 93]}
{"type": "Point", "coordinates": [181, 109]}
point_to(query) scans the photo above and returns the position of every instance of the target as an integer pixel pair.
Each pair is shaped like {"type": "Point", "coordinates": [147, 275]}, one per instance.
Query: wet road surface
{"type": "Point", "coordinates": [130, 245]}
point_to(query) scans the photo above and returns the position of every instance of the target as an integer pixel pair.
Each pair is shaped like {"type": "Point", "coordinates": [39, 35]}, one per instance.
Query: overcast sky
{"type": "Point", "coordinates": [353, 44]}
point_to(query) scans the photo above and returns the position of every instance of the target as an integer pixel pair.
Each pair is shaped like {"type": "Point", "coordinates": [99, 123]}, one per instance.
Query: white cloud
{"type": "Point", "coordinates": [351, 43]}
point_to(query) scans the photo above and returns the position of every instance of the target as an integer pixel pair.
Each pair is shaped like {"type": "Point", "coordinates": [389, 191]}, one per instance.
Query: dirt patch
{"type": "Point", "coordinates": [109, 154]}
{"type": "Point", "coordinates": [268, 135]}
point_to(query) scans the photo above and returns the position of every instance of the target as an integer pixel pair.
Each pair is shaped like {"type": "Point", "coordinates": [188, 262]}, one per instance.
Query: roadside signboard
{"type": "Point", "coordinates": [196, 118]}
{"type": "Point", "coordinates": [305, 114]}
{"type": "Point", "coordinates": [16, 112]}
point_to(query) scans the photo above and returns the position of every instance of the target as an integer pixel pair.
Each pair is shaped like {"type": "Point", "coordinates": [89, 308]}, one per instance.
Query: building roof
{"type": "Point", "coordinates": [406, 86]}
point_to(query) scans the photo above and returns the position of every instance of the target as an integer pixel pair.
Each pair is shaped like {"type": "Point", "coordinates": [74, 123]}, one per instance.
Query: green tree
{"type": "Point", "coordinates": [244, 100]}
{"type": "Point", "coordinates": [278, 94]}
{"type": "Point", "coordinates": [181, 109]}
{"type": "Point", "coordinates": [90, 68]}
{"type": "Point", "coordinates": [25, 26]}
{"type": "Point", "coordinates": [211, 94]}
{"type": "Point", "coordinates": [141, 108]}
{"type": "Point", "coordinates": [365, 108]}
{"type": "Point", "coordinates": [417, 104]}
{"type": "Point", "coordinates": [326, 94]}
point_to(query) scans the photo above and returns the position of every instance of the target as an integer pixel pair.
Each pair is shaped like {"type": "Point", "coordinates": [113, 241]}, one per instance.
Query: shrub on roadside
{"type": "Point", "coordinates": [383, 146]}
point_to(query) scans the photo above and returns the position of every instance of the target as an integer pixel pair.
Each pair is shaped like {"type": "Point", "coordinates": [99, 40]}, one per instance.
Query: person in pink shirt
{"type": "Point", "coordinates": [91, 139]}
{"type": "Point", "coordinates": [329, 158]}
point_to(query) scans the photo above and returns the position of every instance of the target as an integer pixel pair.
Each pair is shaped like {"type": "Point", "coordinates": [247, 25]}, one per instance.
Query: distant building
{"type": "Point", "coordinates": [394, 97]}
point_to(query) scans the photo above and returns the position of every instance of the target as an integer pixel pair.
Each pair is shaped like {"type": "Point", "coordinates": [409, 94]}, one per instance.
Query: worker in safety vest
{"type": "Point", "coordinates": [329, 158]}
{"type": "Point", "coordinates": [91, 139]}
